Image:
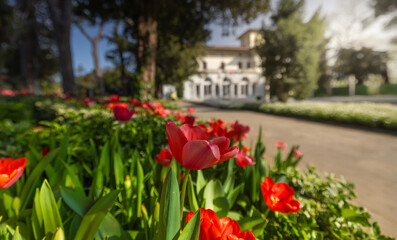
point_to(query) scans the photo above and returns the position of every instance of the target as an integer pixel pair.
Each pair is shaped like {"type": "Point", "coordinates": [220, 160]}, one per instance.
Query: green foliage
{"type": "Point", "coordinates": [291, 51]}
{"type": "Point", "coordinates": [361, 63]}
{"type": "Point", "coordinates": [100, 181]}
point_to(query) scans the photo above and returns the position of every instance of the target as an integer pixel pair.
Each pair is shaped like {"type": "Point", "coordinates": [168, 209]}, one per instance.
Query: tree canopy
{"type": "Point", "coordinates": [291, 51]}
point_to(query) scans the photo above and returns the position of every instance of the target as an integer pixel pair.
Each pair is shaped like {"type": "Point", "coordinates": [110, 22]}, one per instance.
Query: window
{"type": "Point", "coordinates": [222, 65]}
{"type": "Point", "coordinates": [253, 89]}
{"type": "Point", "coordinates": [235, 89]}
{"type": "Point", "coordinates": [204, 65]}
{"type": "Point", "coordinates": [226, 88]}
{"type": "Point", "coordinates": [244, 87]}
{"type": "Point", "coordinates": [198, 90]}
{"type": "Point", "coordinates": [240, 65]}
{"type": "Point", "coordinates": [217, 90]}
{"type": "Point", "coordinates": [207, 87]}
{"type": "Point", "coordinates": [248, 64]}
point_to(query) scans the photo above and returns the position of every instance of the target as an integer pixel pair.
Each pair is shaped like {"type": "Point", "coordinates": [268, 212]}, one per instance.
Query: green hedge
{"type": "Point", "coordinates": [385, 89]}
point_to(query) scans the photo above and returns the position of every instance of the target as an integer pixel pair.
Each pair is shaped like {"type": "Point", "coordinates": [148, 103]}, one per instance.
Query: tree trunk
{"type": "Point", "coordinates": [147, 46]}
{"type": "Point", "coordinates": [159, 89]}
{"type": "Point", "coordinates": [61, 17]}
{"type": "Point", "coordinates": [65, 61]}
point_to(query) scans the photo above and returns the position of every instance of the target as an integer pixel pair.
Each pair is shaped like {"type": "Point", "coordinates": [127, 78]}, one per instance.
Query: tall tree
{"type": "Point", "coordinates": [291, 51]}
{"type": "Point", "coordinates": [361, 63]}
{"type": "Point", "coordinates": [61, 18]}
{"type": "Point", "coordinates": [95, 12]}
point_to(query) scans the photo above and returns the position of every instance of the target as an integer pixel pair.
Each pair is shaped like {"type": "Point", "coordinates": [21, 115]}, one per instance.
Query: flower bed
{"type": "Point", "coordinates": [89, 176]}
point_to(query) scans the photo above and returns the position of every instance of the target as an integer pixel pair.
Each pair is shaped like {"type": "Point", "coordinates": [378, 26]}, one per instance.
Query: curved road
{"type": "Point", "coordinates": [366, 158]}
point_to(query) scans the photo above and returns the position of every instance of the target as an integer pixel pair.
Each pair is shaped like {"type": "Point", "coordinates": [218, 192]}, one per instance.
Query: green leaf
{"type": "Point", "coordinates": [192, 229]}
{"type": "Point", "coordinates": [94, 217]}
{"type": "Point", "coordinates": [200, 183]}
{"type": "Point", "coordinates": [248, 223]}
{"type": "Point", "coordinates": [232, 196]}
{"type": "Point", "coordinates": [17, 235]}
{"type": "Point", "coordinates": [34, 176]}
{"type": "Point", "coordinates": [76, 201]}
{"type": "Point", "coordinates": [169, 208]}
{"type": "Point", "coordinates": [215, 199]}
{"type": "Point", "coordinates": [140, 177]}
{"type": "Point", "coordinates": [51, 217]}
{"type": "Point", "coordinates": [191, 195]}
{"type": "Point", "coordinates": [118, 170]}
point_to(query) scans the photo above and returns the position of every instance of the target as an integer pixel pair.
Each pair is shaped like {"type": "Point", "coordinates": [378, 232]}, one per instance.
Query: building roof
{"type": "Point", "coordinates": [248, 31]}
{"type": "Point", "coordinates": [227, 48]}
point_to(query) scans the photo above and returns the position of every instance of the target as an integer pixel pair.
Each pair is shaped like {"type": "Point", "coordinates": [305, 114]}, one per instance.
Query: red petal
{"type": "Point", "coordinates": [283, 192]}
{"type": "Point", "coordinates": [193, 132]}
{"type": "Point", "coordinates": [199, 154]}
{"type": "Point", "coordinates": [176, 140]}
{"type": "Point", "coordinates": [222, 142]}
{"type": "Point", "coordinates": [231, 152]}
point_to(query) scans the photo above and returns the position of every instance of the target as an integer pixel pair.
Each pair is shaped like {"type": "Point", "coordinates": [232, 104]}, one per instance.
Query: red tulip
{"type": "Point", "coordinates": [114, 98]}
{"type": "Point", "coordinates": [218, 128]}
{"type": "Point", "coordinates": [278, 197]}
{"type": "Point", "coordinates": [121, 112]}
{"type": "Point", "coordinates": [136, 102]}
{"type": "Point", "coordinates": [297, 153]}
{"type": "Point", "coordinates": [238, 131]}
{"type": "Point", "coordinates": [191, 148]}
{"type": "Point", "coordinates": [164, 157]}
{"type": "Point", "coordinates": [45, 151]}
{"type": "Point", "coordinates": [191, 110]}
{"type": "Point", "coordinates": [281, 145]}
{"type": "Point", "coordinates": [110, 105]}
{"type": "Point", "coordinates": [243, 160]}
{"type": "Point", "coordinates": [213, 228]}
{"type": "Point", "coordinates": [10, 171]}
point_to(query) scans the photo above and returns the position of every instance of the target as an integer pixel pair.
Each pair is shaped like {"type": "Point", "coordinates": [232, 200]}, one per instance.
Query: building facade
{"type": "Point", "coordinates": [228, 73]}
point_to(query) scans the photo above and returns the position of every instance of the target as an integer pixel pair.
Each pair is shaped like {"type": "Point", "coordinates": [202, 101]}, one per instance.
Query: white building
{"type": "Point", "coordinates": [228, 73]}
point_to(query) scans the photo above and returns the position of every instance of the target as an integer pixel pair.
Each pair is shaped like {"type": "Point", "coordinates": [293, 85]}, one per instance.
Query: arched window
{"type": "Point", "coordinates": [207, 87]}
{"type": "Point", "coordinates": [226, 87]}
{"type": "Point", "coordinates": [244, 87]}
{"type": "Point", "coordinates": [240, 65]}
{"type": "Point", "coordinates": [205, 65]}
{"type": "Point", "coordinates": [222, 65]}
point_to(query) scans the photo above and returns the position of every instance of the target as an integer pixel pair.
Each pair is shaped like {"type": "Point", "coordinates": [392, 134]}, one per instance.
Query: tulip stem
{"type": "Point", "coordinates": [265, 216]}
{"type": "Point", "coordinates": [185, 178]}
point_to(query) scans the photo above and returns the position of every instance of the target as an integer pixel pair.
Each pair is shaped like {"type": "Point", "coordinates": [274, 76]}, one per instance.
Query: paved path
{"type": "Point", "coordinates": [366, 158]}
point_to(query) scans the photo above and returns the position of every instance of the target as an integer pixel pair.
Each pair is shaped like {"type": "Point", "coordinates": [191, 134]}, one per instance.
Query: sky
{"type": "Point", "coordinates": [344, 19]}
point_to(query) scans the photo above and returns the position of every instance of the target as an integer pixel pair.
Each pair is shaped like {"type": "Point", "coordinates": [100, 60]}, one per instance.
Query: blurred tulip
{"type": "Point", "coordinates": [45, 151]}
{"type": "Point", "coordinates": [190, 147]}
{"type": "Point", "coordinates": [281, 145]}
{"type": "Point", "coordinates": [238, 131]}
{"type": "Point", "coordinates": [164, 157]}
{"type": "Point", "coordinates": [243, 160]}
{"type": "Point", "coordinates": [297, 153]}
{"type": "Point", "coordinates": [191, 110]}
{"type": "Point", "coordinates": [121, 112]}
{"type": "Point", "coordinates": [10, 171]}
{"type": "Point", "coordinates": [114, 98]}
{"type": "Point", "coordinates": [278, 197]}
{"type": "Point", "coordinates": [213, 228]}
